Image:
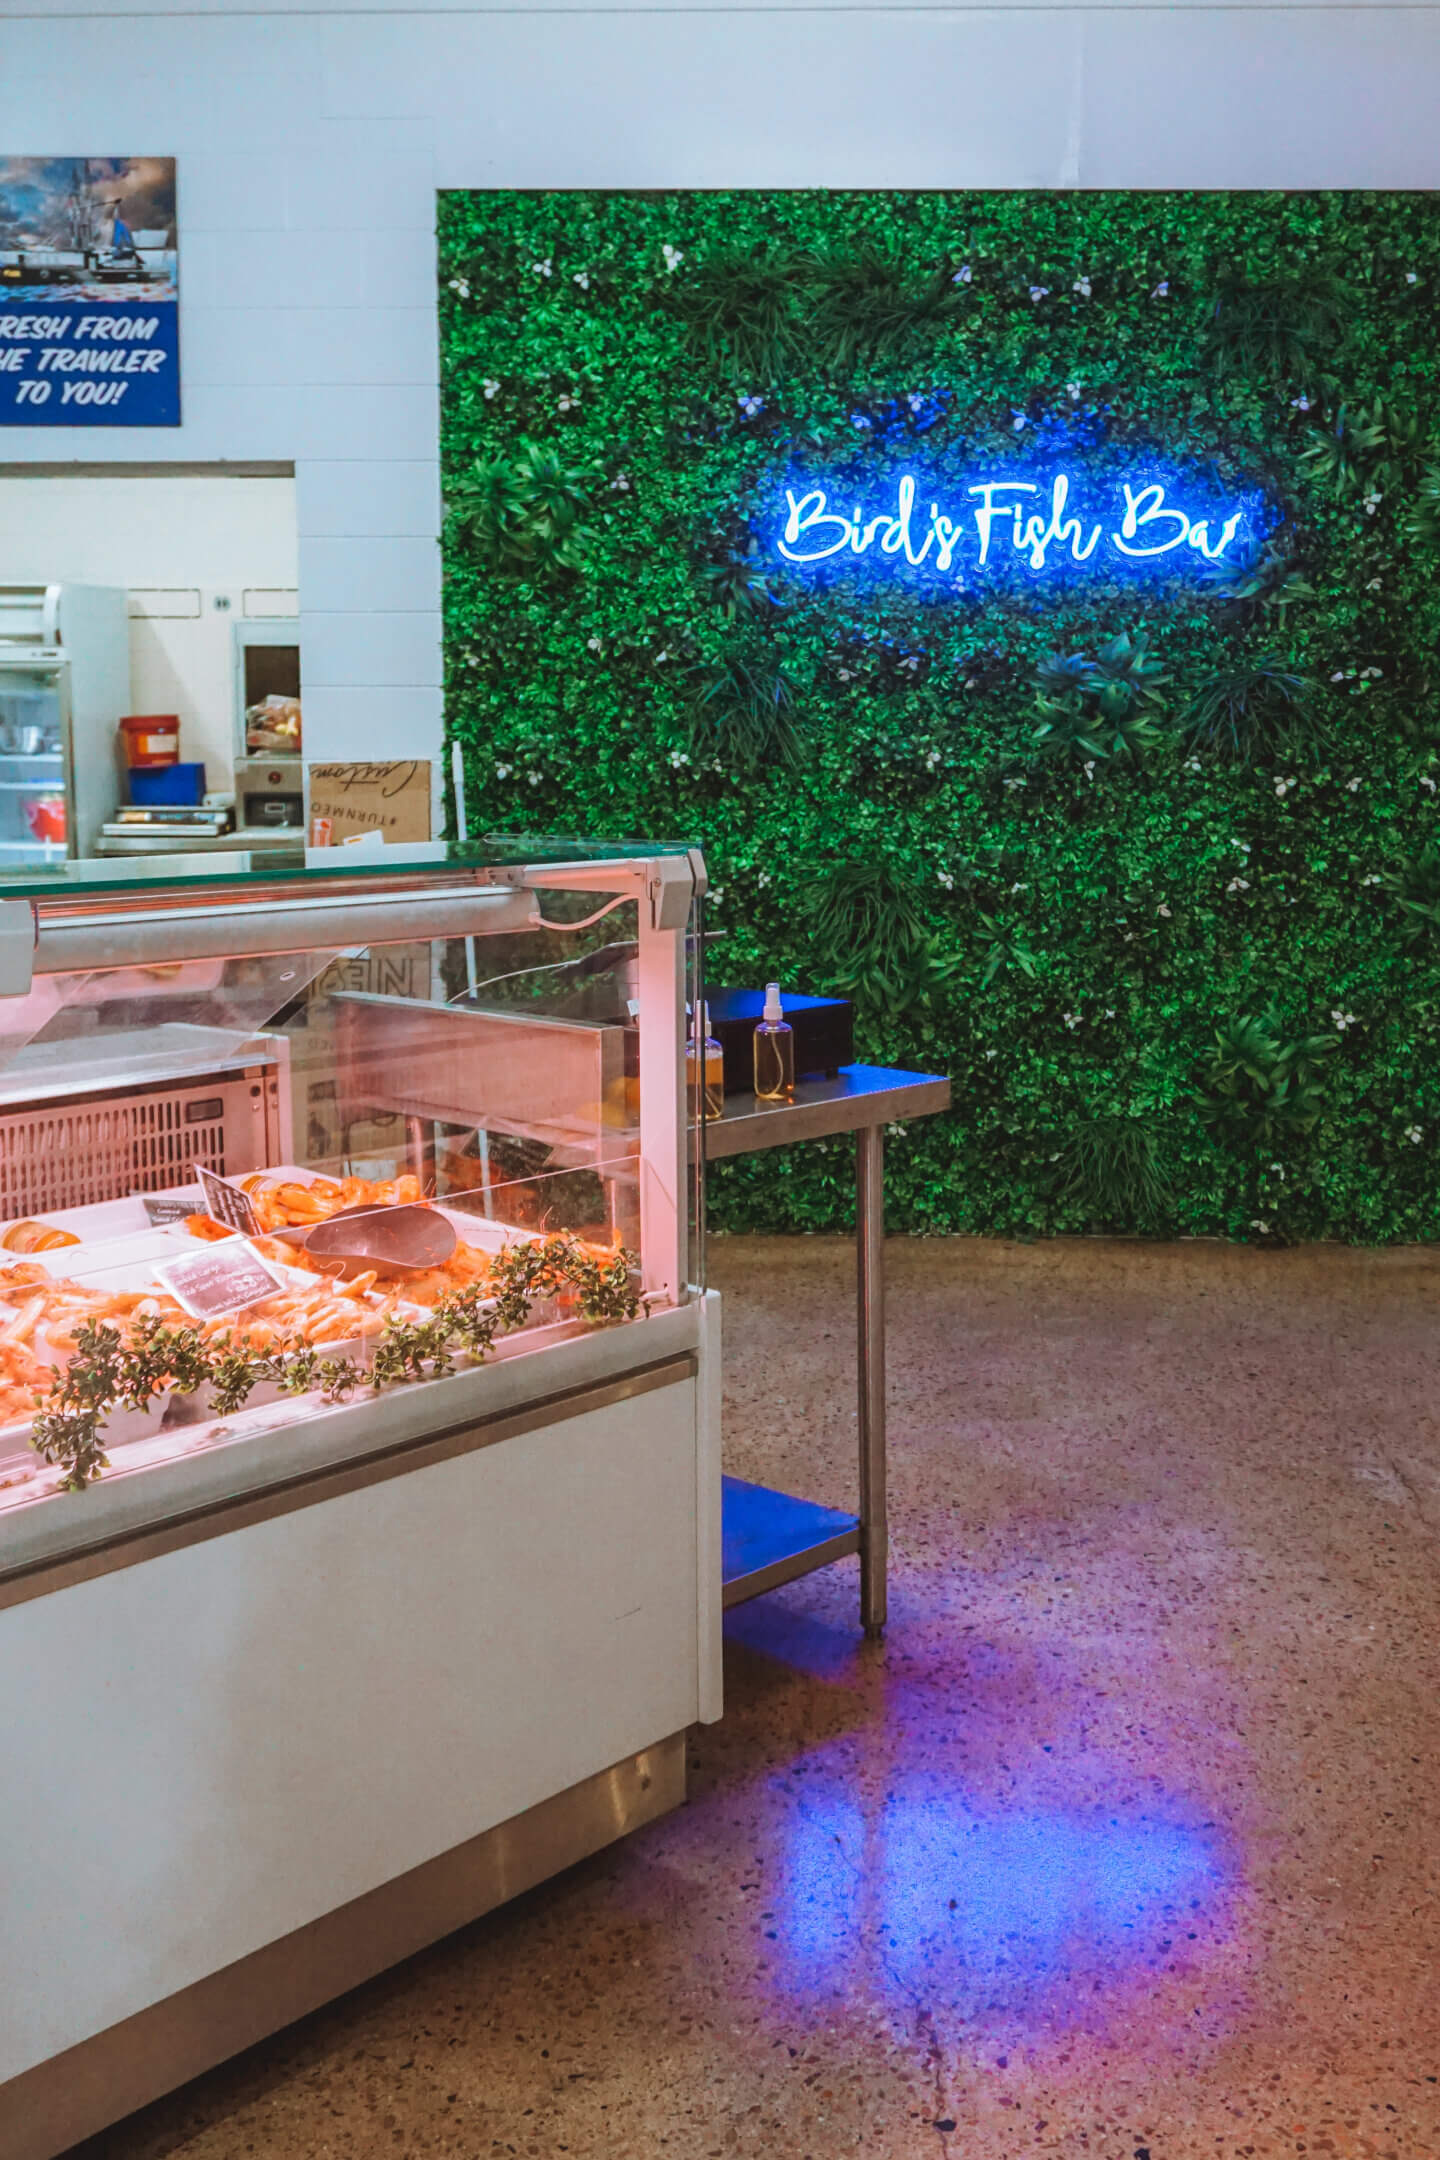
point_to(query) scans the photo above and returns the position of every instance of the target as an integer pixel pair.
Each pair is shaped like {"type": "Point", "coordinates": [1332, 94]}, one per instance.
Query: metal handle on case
{"type": "Point", "coordinates": [153, 937]}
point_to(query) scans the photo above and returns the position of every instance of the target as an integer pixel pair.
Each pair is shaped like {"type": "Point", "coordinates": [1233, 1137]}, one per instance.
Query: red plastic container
{"type": "Point", "coordinates": [46, 819]}
{"type": "Point", "coordinates": [151, 739]}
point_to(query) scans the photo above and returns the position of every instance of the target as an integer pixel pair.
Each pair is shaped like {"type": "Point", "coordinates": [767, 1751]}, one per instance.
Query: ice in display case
{"type": "Point", "coordinates": [348, 1203]}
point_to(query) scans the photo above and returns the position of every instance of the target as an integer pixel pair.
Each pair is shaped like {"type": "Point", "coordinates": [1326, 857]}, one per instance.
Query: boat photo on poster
{"type": "Point", "coordinates": [89, 292]}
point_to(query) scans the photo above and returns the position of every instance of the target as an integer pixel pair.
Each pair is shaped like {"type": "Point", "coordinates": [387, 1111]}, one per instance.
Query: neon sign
{"type": "Point", "coordinates": [1142, 527]}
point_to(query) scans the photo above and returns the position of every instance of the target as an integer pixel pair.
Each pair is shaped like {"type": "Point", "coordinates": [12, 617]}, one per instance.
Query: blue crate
{"type": "Point", "coordinates": [173, 784]}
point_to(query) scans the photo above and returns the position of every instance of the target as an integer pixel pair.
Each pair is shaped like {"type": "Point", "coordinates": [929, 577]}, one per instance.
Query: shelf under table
{"type": "Point", "coordinates": [770, 1538]}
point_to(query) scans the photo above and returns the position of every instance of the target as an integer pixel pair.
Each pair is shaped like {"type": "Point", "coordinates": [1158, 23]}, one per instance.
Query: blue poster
{"type": "Point", "coordinates": [89, 293]}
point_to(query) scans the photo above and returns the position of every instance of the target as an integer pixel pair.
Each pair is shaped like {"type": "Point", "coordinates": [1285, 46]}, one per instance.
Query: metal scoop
{"type": "Point", "coordinates": [402, 1240]}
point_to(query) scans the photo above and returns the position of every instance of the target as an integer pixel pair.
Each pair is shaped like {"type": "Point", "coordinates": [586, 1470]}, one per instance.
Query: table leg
{"type": "Point", "coordinates": [870, 1313]}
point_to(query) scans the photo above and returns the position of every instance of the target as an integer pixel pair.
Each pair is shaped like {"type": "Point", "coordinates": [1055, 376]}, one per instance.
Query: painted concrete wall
{"type": "Point", "coordinates": [311, 145]}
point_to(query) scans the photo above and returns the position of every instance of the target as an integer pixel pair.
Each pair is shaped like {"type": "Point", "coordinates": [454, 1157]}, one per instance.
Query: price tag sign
{"type": "Point", "coordinates": [223, 1279]}
{"type": "Point", "coordinates": [226, 1203]}
{"type": "Point", "coordinates": [168, 1211]}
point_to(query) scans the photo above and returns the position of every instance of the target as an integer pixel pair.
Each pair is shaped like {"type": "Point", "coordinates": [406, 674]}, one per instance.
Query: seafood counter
{"type": "Point", "coordinates": [115, 1332]}
{"type": "Point", "coordinates": [360, 1499]}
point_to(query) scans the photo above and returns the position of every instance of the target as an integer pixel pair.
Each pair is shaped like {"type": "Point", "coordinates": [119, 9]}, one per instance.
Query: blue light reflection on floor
{"type": "Point", "coordinates": [924, 1898]}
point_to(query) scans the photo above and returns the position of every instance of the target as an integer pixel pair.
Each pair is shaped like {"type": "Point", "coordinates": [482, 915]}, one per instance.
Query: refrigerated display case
{"type": "Point", "coordinates": [64, 684]}
{"type": "Point", "coordinates": [359, 1449]}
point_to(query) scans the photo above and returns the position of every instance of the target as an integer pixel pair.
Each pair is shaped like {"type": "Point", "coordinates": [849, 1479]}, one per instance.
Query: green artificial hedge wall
{"type": "Point", "coordinates": [1147, 868]}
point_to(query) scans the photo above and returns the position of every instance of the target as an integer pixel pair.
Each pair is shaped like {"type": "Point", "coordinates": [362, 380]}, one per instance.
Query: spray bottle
{"type": "Point", "coordinates": [774, 1052]}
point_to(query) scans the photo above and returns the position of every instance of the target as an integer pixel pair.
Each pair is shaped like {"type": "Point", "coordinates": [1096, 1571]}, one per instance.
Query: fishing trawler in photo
{"type": "Point", "coordinates": [82, 227]}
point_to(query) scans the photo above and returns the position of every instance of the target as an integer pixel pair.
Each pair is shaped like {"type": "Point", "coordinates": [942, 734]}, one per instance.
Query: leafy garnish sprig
{"type": "Point", "coordinates": [109, 1372]}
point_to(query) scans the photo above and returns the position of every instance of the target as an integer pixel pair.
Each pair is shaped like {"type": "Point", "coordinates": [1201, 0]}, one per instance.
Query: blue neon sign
{"type": "Point", "coordinates": [1029, 519]}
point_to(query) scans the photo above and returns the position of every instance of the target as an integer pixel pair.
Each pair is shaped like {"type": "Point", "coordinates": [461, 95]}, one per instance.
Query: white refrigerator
{"type": "Point", "coordinates": [64, 685]}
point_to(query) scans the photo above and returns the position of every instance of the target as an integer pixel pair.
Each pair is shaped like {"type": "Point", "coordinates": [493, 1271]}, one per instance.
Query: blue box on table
{"type": "Point", "coordinates": [173, 785]}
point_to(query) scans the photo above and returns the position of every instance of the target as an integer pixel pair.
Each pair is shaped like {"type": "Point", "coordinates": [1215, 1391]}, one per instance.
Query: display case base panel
{"type": "Point", "coordinates": [49, 2108]}
{"type": "Point", "coordinates": [770, 1538]}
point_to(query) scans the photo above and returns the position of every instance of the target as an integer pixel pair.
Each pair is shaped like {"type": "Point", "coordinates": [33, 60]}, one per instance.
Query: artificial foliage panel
{"type": "Point", "coordinates": [1140, 851]}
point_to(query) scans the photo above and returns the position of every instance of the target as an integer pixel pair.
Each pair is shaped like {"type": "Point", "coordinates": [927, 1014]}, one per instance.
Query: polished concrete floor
{"type": "Point", "coordinates": [1124, 1844]}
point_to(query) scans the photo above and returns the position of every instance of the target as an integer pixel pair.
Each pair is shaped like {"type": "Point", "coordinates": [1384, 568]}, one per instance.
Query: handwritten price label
{"type": "Point", "coordinates": [226, 1203]}
{"type": "Point", "coordinates": [224, 1279]}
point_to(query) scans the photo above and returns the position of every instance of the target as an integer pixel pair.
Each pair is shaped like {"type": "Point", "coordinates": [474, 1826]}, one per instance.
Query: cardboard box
{"type": "Point", "coordinates": [392, 799]}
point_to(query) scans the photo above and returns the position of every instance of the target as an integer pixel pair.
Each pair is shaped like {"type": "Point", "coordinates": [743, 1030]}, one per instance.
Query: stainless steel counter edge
{"type": "Point", "coordinates": [121, 1505]}
{"type": "Point", "coordinates": [859, 1095]}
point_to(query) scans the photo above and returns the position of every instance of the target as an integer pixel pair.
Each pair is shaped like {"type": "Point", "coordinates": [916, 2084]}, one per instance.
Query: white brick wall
{"type": "Point", "coordinates": [311, 145]}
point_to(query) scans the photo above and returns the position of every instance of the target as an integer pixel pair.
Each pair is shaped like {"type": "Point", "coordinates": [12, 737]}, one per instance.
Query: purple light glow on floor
{"type": "Point", "coordinates": [929, 1898]}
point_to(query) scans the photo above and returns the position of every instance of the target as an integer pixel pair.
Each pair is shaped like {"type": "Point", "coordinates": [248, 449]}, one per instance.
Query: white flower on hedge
{"type": "Point", "coordinates": [932, 759]}
{"type": "Point", "coordinates": [620, 485]}
{"type": "Point", "coordinates": [1019, 422]}
{"type": "Point", "coordinates": [1427, 782]}
{"type": "Point", "coordinates": [1375, 584]}
{"type": "Point", "coordinates": [1082, 286]}
{"type": "Point", "coordinates": [749, 404]}
{"type": "Point", "coordinates": [1163, 908]}
{"type": "Point", "coordinates": [490, 387]}
{"type": "Point", "coordinates": [1162, 290]}
{"type": "Point", "coordinates": [1283, 787]}
{"type": "Point", "coordinates": [1372, 502]}
{"type": "Point", "coordinates": [593, 644]}
{"type": "Point", "coordinates": [1072, 1020]}
{"type": "Point", "coordinates": [1372, 674]}
{"type": "Point", "coordinates": [1373, 879]}
{"type": "Point", "coordinates": [1339, 675]}
{"type": "Point", "coordinates": [677, 759]}
{"type": "Point", "coordinates": [946, 880]}
{"type": "Point", "coordinates": [1039, 292]}
{"type": "Point", "coordinates": [764, 878]}
{"type": "Point", "coordinates": [992, 1053]}
{"type": "Point", "coordinates": [1262, 1227]}
{"type": "Point", "coordinates": [582, 279]}
{"type": "Point", "coordinates": [543, 269]}
{"type": "Point", "coordinates": [1089, 768]}
{"type": "Point", "coordinates": [1412, 277]}
{"type": "Point", "coordinates": [503, 772]}
{"type": "Point", "coordinates": [1019, 888]}
{"type": "Point", "coordinates": [1352, 785]}
{"type": "Point", "coordinates": [1192, 764]}
{"type": "Point", "coordinates": [1301, 403]}
{"type": "Point", "coordinates": [1238, 884]}
{"type": "Point", "coordinates": [568, 403]}
{"type": "Point", "coordinates": [1415, 1134]}
{"type": "Point", "coordinates": [1014, 783]}
{"type": "Point", "coordinates": [662, 656]}
{"type": "Point", "coordinates": [673, 256]}
{"type": "Point", "coordinates": [962, 275]}
{"type": "Point", "coordinates": [460, 285]}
